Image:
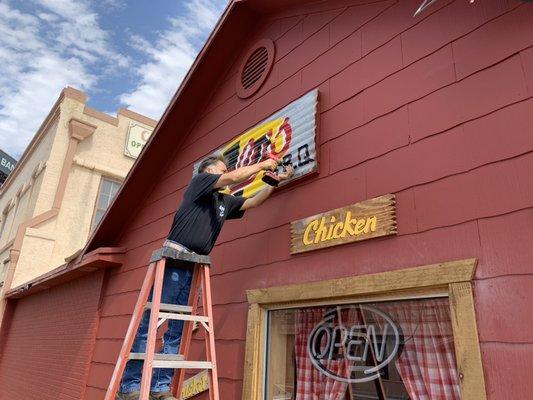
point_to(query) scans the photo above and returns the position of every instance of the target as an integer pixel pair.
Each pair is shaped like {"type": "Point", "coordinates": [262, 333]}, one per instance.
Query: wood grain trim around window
{"type": "Point", "coordinates": [452, 279]}
{"type": "Point", "coordinates": [430, 275]}
{"type": "Point", "coordinates": [466, 340]}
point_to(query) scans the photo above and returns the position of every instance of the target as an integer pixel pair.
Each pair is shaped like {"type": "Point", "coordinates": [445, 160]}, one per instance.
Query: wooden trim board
{"type": "Point", "coordinates": [430, 275]}
{"type": "Point", "coordinates": [467, 352]}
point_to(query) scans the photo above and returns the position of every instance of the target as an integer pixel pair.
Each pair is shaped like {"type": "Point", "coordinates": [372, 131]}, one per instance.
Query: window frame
{"type": "Point", "coordinates": [449, 279]}
{"type": "Point", "coordinates": [97, 199]}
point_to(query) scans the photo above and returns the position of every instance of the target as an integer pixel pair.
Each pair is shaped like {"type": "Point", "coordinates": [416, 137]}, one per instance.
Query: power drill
{"type": "Point", "coordinates": [271, 177]}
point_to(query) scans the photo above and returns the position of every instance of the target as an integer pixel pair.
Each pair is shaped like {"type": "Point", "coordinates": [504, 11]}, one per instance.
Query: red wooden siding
{"type": "Point", "coordinates": [50, 342]}
{"type": "Point", "coordinates": [436, 109]}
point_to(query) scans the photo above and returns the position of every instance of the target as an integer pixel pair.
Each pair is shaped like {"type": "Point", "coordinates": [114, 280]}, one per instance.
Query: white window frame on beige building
{"type": "Point", "coordinates": [3, 221]}
{"type": "Point", "coordinates": [449, 279]}
{"type": "Point", "coordinates": [102, 179]}
{"type": "Point", "coordinates": [5, 217]}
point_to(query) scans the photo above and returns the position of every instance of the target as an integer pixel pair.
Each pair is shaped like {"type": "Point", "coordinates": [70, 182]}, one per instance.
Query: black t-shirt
{"type": "Point", "coordinates": [202, 213]}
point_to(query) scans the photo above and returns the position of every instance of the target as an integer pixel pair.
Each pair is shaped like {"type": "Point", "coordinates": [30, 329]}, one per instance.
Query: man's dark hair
{"type": "Point", "coordinates": [208, 161]}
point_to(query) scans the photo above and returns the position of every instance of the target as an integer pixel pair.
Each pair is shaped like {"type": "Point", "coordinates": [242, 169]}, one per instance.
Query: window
{"type": "Point", "coordinates": [7, 222]}
{"type": "Point", "coordinates": [393, 350]}
{"type": "Point", "coordinates": [106, 194]}
{"type": "Point", "coordinates": [399, 335]}
{"type": "Point", "coordinates": [2, 228]}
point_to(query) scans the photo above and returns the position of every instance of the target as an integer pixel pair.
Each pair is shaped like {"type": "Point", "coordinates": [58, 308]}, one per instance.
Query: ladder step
{"type": "Point", "coordinates": [183, 364]}
{"type": "Point", "coordinates": [184, 317]}
{"type": "Point", "coordinates": [170, 307]}
{"type": "Point", "coordinates": [157, 356]}
{"type": "Point", "coordinates": [172, 361]}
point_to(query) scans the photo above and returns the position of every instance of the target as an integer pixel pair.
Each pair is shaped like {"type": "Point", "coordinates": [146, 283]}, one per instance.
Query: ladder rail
{"type": "Point", "coordinates": [186, 335]}
{"type": "Point", "coordinates": [123, 357]}
{"type": "Point", "coordinates": [152, 331]}
{"type": "Point", "coordinates": [210, 335]}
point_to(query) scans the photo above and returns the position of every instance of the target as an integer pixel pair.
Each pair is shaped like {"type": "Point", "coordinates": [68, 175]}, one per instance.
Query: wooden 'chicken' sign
{"type": "Point", "coordinates": [360, 221]}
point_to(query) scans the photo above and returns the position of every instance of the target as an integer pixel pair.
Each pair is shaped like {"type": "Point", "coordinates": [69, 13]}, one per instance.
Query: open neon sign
{"type": "Point", "coordinates": [365, 348]}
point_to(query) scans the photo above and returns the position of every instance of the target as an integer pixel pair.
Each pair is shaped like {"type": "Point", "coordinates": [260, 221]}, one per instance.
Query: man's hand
{"type": "Point", "coordinates": [264, 193]}
{"type": "Point", "coordinates": [269, 164]}
{"type": "Point", "coordinates": [288, 173]}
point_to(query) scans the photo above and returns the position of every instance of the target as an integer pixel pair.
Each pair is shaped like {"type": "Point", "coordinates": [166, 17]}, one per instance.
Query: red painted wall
{"type": "Point", "coordinates": [50, 341]}
{"type": "Point", "coordinates": [436, 109]}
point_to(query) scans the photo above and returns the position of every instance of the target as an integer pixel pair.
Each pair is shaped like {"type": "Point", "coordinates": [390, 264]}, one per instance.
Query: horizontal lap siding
{"type": "Point", "coordinates": [49, 343]}
{"type": "Point", "coordinates": [436, 109]}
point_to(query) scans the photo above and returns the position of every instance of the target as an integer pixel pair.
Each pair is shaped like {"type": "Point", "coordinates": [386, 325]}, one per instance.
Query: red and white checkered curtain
{"type": "Point", "coordinates": [312, 384]}
{"type": "Point", "coordinates": [427, 363]}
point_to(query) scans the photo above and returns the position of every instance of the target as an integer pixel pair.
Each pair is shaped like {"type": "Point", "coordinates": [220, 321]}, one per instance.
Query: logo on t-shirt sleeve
{"type": "Point", "coordinates": [221, 210]}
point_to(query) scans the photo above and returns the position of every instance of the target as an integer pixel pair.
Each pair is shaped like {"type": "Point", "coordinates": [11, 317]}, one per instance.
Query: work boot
{"type": "Point", "coordinates": [128, 396]}
{"type": "Point", "coordinates": [162, 396]}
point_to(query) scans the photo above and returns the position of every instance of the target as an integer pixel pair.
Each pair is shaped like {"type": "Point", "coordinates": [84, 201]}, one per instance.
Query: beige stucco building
{"type": "Point", "coordinates": [63, 184]}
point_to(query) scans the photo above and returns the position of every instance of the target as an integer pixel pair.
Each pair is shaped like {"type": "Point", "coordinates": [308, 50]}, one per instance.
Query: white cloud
{"type": "Point", "coordinates": [61, 43]}
{"type": "Point", "coordinates": [171, 56]}
{"type": "Point", "coordinates": [80, 33]}
{"type": "Point", "coordinates": [57, 45]}
{"type": "Point", "coordinates": [48, 17]}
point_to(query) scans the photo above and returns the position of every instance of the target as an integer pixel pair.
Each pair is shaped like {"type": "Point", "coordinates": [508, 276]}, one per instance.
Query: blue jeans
{"type": "Point", "coordinates": [176, 288]}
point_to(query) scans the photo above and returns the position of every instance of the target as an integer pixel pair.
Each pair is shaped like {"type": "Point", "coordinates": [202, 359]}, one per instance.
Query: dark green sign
{"type": "Point", "coordinates": [7, 163]}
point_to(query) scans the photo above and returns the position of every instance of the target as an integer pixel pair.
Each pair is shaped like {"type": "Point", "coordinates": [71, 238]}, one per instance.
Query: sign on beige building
{"type": "Point", "coordinates": [138, 135]}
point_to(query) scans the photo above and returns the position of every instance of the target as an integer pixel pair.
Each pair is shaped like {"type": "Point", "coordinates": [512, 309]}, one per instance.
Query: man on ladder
{"type": "Point", "coordinates": [195, 228]}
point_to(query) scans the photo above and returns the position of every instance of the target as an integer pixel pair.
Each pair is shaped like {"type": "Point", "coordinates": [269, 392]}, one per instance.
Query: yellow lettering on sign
{"type": "Point", "coordinates": [371, 224]}
{"type": "Point", "coordinates": [321, 230]}
{"type": "Point", "coordinates": [347, 229]}
{"type": "Point", "coordinates": [336, 234]}
{"type": "Point", "coordinates": [359, 226]}
{"type": "Point", "coordinates": [309, 227]}
{"type": "Point", "coordinates": [197, 384]}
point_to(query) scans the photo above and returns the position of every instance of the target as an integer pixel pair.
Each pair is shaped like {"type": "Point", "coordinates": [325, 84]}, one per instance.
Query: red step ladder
{"type": "Point", "coordinates": [200, 287]}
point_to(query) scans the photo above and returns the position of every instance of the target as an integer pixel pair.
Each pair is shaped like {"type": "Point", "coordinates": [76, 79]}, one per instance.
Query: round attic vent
{"type": "Point", "coordinates": [255, 68]}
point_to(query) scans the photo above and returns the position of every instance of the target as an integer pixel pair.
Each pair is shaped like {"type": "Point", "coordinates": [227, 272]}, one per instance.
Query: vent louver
{"type": "Point", "coordinates": [255, 68]}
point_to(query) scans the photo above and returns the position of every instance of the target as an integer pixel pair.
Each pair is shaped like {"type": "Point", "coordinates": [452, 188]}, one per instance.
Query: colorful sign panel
{"type": "Point", "coordinates": [289, 134]}
{"type": "Point", "coordinates": [136, 138]}
{"type": "Point", "coordinates": [197, 384]}
{"type": "Point", "coordinates": [365, 220]}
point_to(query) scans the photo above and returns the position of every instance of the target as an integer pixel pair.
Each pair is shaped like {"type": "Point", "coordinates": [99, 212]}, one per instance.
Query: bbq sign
{"type": "Point", "coordinates": [289, 134]}
{"type": "Point", "coordinates": [357, 352]}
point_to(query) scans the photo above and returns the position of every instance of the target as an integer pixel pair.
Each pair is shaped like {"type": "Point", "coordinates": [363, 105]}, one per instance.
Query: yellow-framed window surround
{"type": "Point", "coordinates": [451, 279]}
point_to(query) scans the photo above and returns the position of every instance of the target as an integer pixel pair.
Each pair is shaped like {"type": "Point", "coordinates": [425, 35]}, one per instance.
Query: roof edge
{"type": "Point", "coordinates": [101, 258]}
{"type": "Point", "coordinates": [97, 239]}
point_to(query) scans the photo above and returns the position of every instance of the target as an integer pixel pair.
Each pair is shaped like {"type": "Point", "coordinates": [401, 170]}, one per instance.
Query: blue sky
{"type": "Point", "coordinates": [122, 53]}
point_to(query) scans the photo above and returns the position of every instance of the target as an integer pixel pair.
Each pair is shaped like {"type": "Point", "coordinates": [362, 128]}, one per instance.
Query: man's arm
{"type": "Point", "coordinates": [264, 193]}
{"type": "Point", "coordinates": [258, 199]}
{"type": "Point", "coordinates": [241, 174]}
